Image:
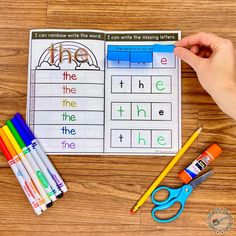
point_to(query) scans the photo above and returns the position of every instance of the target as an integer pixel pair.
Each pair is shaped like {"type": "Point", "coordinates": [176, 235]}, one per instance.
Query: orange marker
{"type": "Point", "coordinates": [31, 187]}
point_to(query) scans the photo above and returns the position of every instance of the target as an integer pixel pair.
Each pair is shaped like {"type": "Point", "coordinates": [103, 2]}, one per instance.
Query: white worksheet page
{"type": "Point", "coordinates": [142, 93]}
{"type": "Point", "coordinates": [96, 92]}
{"type": "Point", "coordinates": [65, 106]}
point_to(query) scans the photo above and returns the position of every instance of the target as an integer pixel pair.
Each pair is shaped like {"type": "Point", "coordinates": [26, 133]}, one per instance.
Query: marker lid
{"type": "Point", "coordinates": [15, 134]}
{"type": "Point", "coordinates": [7, 143]}
{"type": "Point", "coordinates": [5, 150]}
{"type": "Point", "coordinates": [25, 126]}
{"type": "Point", "coordinates": [20, 129]}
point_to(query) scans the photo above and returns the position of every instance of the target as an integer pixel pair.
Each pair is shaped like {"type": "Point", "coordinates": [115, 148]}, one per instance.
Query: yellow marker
{"type": "Point", "coordinates": [166, 171]}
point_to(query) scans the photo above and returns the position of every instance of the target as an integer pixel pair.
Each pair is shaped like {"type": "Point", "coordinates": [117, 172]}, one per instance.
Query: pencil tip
{"type": "Point", "coordinates": [132, 211]}
{"type": "Point", "coordinates": [200, 129]}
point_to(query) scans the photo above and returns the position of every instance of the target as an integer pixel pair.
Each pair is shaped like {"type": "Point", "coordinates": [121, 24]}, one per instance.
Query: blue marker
{"type": "Point", "coordinates": [41, 155]}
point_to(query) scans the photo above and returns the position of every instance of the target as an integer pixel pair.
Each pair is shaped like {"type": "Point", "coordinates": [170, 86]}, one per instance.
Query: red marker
{"type": "Point", "coordinates": [20, 178]}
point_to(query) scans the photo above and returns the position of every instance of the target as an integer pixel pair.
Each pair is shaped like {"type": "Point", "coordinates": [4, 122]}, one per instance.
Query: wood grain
{"type": "Point", "coordinates": [102, 189]}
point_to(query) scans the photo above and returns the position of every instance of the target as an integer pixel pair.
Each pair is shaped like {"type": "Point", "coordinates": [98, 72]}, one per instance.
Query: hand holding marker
{"type": "Point", "coordinates": [28, 181]}
{"type": "Point", "coordinates": [20, 178]}
{"type": "Point", "coordinates": [36, 145]}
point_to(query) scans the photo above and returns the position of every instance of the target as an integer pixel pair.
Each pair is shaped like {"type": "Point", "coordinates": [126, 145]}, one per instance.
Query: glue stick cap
{"type": "Point", "coordinates": [214, 150]}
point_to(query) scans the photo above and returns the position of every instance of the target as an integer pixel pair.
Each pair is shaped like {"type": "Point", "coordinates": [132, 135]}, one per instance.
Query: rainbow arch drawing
{"type": "Point", "coordinates": [44, 60]}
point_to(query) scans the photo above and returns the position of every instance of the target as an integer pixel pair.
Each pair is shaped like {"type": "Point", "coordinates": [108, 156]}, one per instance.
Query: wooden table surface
{"type": "Point", "coordinates": [102, 189]}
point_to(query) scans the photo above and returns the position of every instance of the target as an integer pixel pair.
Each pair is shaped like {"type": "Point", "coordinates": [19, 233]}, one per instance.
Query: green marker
{"type": "Point", "coordinates": [27, 152]}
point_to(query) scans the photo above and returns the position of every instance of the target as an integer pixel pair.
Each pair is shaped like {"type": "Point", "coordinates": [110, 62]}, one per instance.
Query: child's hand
{"type": "Point", "coordinates": [214, 60]}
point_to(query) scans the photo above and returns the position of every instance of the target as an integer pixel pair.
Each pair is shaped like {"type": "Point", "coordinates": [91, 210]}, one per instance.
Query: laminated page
{"type": "Point", "coordinates": [142, 93]}
{"type": "Point", "coordinates": [65, 107]}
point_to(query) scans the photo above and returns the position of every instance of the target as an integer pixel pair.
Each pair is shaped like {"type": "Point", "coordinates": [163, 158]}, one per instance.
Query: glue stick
{"type": "Point", "coordinates": [200, 163]}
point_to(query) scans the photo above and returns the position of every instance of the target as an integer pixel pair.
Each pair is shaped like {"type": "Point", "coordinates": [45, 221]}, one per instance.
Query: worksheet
{"type": "Point", "coordinates": [97, 92]}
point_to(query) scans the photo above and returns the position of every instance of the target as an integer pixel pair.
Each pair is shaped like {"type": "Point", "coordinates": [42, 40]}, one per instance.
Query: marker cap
{"type": "Point", "coordinates": [25, 126]}
{"type": "Point", "coordinates": [7, 143]}
{"type": "Point", "coordinates": [15, 134]}
{"type": "Point", "coordinates": [12, 139]}
{"type": "Point", "coordinates": [5, 150]}
{"type": "Point", "coordinates": [21, 131]}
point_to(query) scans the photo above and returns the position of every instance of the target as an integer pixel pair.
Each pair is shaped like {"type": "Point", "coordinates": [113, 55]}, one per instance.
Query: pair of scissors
{"type": "Point", "coordinates": [176, 195]}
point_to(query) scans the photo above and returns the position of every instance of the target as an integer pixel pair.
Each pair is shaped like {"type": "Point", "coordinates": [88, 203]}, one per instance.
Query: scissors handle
{"type": "Point", "coordinates": [184, 193]}
{"type": "Point", "coordinates": [172, 193]}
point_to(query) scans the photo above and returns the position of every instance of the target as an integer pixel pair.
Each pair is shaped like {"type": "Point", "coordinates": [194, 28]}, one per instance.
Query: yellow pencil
{"type": "Point", "coordinates": [165, 171]}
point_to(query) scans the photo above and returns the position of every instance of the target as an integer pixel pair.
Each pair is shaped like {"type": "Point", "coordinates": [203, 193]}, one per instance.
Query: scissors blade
{"type": "Point", "coordinates": [200, 179]}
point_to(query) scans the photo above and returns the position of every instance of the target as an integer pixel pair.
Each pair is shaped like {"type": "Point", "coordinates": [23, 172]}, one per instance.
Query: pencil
{"type": "Point", "coordinates": [158, 180]}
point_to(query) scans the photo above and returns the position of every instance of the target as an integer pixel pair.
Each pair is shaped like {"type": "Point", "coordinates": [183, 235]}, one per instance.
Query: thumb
{"type": "Point", "coordinates": [188, 57]}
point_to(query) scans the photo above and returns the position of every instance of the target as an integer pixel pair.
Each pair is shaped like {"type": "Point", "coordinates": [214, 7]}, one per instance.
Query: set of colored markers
{"type": "Point", "coordinates": [37, 176]}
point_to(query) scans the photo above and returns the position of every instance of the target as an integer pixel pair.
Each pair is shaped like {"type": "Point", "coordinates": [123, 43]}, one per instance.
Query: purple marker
{"type": "Point", "coordinates": [36, 145]}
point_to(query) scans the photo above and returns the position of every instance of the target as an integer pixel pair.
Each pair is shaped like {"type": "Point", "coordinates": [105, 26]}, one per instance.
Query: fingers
{"type": "Point", "coordinates": [205, 53]}
{"type": "Point", "coordinates": [202, 39]}
{"type": "Point", "coordinates": [189, 57]}
{"type": "Point", "coordinates": [195, 49]}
